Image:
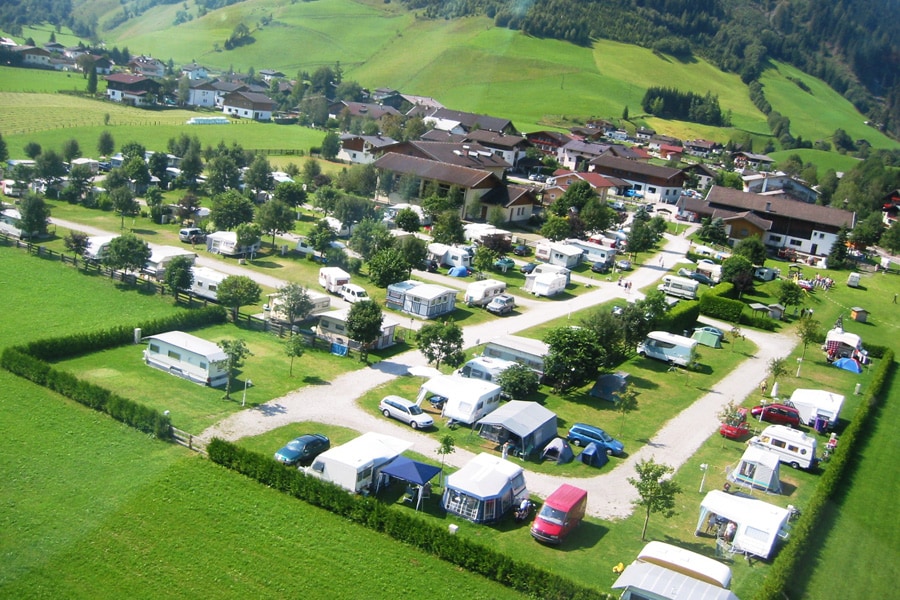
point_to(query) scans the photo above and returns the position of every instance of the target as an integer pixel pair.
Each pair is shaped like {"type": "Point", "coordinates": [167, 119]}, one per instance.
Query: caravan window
{"type": "Point", "coordinates": [175, 355]}
{"type": "Point", "coordinates": [778, 443]}
{"type": "Point", "coordinates": [364, 474]}
{"type": "Point", "coordinates": [318, 467]}
{"type": "Point", "coordinates": [154, 347]}
{"type": "Point", "coordinates": [662, 344]}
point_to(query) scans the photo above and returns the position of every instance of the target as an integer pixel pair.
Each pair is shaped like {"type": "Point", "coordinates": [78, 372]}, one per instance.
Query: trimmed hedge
{"type": "Point", "coordinates": [765, 323]}
{"type": "Point", "coordinates": [714, 305]}
{"type": "Point", "coordinates": [801, 546]}
{"type": "Point", "coordinates": [682, 317]}
{"type": "Point", "coordinates": [403, 527]}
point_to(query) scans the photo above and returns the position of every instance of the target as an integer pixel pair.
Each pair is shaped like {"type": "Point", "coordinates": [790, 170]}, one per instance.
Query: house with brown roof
{"type": "Point", "coordinates": [576, 153]}
{"type": "Point", "coordinates": [702, 148]}
{"type": "Point", "coordinates": [136, 90]}
{"type": "Point", "coordinates": [248, 105]}
{"type": "Point", "coordinates": [643, 134]}
{"type": "Point", "coordinates": [705, 175]}
{"type": "Point", "coordinates": [471, 155]}
{"type": "Point", "coordinates": [202, 92]}
{"type": "Point", "coordinates": [890, 208]}
{"type": "Point", "coordinates": [361, 110]}
{"type": "Point", "coordinates": [561, 179]}
{"type": "Point", "coordinates": [748, 160]}
{"type": "Point", "coordinates": [657, 184]}
{"type": "Point", "coordinates": [548, 142]}
{"type": "Point", "coordinates": [658, 141]}
{"type": "Point", "coordinates": [147, 66]}
{"type": "Point", "coordinates": [458, 121]}
{"type": "Point", "coordinates": [807, 228]}
{"type": "Point", "coordinates": [481, 189]}
{"type": "Point", "coordinates": [511, 148]}
{"type": "Point", "coordinates": [195, 72]}
{"type": "Point", "coordinates": [33, 56]}
{"type": "Point", "coordinates": [363, 149]}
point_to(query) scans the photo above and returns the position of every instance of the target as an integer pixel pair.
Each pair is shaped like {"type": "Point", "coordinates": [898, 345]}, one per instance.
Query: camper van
{"type": "Point", "coordinates": [450, 256]}
{"type": "Point", "coordinates": [679, 286]}
{"type": "Point", "coordinates": [816, 405]}
{"type": "Point", "coordinates": [563, 510]}
{"type": "Point", "coordinates": [96, 247]}
{"type": "Point", "coordinates": [333, 278]}
{"type": "Point", "coordinates": [668, 347]}
{"type": "Point", "coordinates": [485, 368]}
{"type": "Point", "coordinates": [355, 465]}
{"type": "Point", "coordinates": [710, 269]}
{"type": "Point", "coordinates": [467, 400]}
{"type": "Point", "coordinates": [480, 293]}
{"type": "Point", "coordinates": [792, 446]}
{"type": "Point", "coordinates": [206, 282]}
{"type": "Point", "coordinates": [353, 293]}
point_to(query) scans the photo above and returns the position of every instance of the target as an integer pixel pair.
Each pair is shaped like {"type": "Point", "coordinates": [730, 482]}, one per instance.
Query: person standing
{"type": "Point", "coordinates": [763, 387]}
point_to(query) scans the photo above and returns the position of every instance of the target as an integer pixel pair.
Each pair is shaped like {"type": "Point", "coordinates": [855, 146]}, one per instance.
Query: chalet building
{"type": "Point", "coordinates": [658, 141]}
{"type": "Point", "coordinates": [136, 90]}
{"type": "Point", "coordinates": [194, 72]}
{"type": "Point", "coordinates": [806, 228]}
{"type": "Point", "coordinates": [561, 179]}
{"type": "Point", "coordinates": [202, 93]}
{"type": "Point", "coordinates": [779, 184]}
{"type": "Point", "coordinates": [147, 66]}
{"type": "Point", "coordinates": [55, 48]}
{"type": "Point", "coordinates": [702, 148]}
{"type": "Point", "coordinates": [481, 189]}
{"type": "Point", "coordinates": [548, 142]}
{"type": "Point", "coordinates": [575, 154]}
{"type": "Point", "coordinates": [705, 175]}
{"type": "Point", "coordinates": [657, 184]}
{"type": "Point", "coordinates": [748, 160]}
{"type": "Point", "coordinates": [472, 155]}
{"type": "Point", "coordinates": [363, 149]}
{"type": "Point", "coordinates": [248, 105]}
{"type": "Point", "coordinates": [643, 134]}
{"type": "Point", "coordinates": [361, 110]}
{"type": "Point", "coordinates": [457, 121]}
{"type": "Point", "coordinates": [269, 75]}
{"type": "Point", "coordinates": [588, 134]}
{"type": "Point", "coordinates": [510, 148]}
{"type": "Point", "coordinates": [33, 56]}
{"type": "Point", "coordinates": [890, 208]}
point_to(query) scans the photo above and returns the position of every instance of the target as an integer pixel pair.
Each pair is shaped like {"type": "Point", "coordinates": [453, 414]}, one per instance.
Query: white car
{"type": "Point", "coordinates": [406, 411]}
{"type": "Point", "coordinates": [353, 293]}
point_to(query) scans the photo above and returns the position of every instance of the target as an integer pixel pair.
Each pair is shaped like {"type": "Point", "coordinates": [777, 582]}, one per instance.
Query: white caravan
{"type": "Point", "coordinates": [668, 347]}
{"type": "Point", "coordinates": [467, 400]}
{"type": "Point", "coordinates": [480, 293]}
{"type": "Point", "coordinates": [817, 404]}
{"type": "Point", "coordinates": [355, 465]}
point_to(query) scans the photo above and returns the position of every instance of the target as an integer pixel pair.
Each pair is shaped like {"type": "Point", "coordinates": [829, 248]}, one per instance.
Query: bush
{"type": "Point", "coordinates": [682, 317]}
{"type": "Point", "coordinates": [759, 322]}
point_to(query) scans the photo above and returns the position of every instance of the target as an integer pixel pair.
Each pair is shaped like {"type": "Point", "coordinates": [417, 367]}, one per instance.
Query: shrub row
{"type": "Point", "coordinates": [759, 322]}
{"type": "Point", "coordinates": [808, 528]}
{"type": "Point", "coordinates": [91, 341]}
{"type": "Point", "coordinates": [682, 317]}
{"type": "Point", "coordinates": [715, 304]}
{"type": "Point", "coordinates": [134, 414]}
{"type": "Point", "coordinates": [369, 512]}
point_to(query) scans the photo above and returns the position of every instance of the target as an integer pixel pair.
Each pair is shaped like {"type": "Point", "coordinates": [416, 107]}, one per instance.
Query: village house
{"type": "Point", "coordinates": [779, 184]}
{"type": "Point", "coordinates": [33, 57]}
{"type": "Point", "coordinates": [136, 90]}
{"type": "Point", "coordinates": [510, 148]}
{"type": "Point", "coordinates": [548, 142]}
{"type": "Point", "coordinates": [657, 184]}
{"type": "Point", "coordinates": [472, 155]}
{"type": "Point", "coordinates": [644, 134]}
{"type": "Point", "coordinates": [194, 72]}
{"type": "Point", "coordinates": [705, 175]}
{"type": "Point", "coordinates": [269, 75]}
{"type": "Point", "coordinates": [702, 148]}
{"type": "Point", "coordinates": [248, 105]}
{"type": "Point", "coordinates": [147, 66]}
{"type": "Point", "coordinates": [361, 110]}
{"type": "Point", "coordinates": [362, 149]}
{"type": "Point", "coordinates": [457, 121]}
{"type": "Point", "coordinates": [890, 208]}
{"type": "Point", "coordinates": [748, 160]}
{"type": "Point", "coordinates": [576, 153]}
{"type": "Point", "coordinates": [561, 179]}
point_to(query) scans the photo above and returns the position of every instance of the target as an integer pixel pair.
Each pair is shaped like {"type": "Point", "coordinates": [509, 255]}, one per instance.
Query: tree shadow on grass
{"type": "Point", "coordinates": [315, 380]}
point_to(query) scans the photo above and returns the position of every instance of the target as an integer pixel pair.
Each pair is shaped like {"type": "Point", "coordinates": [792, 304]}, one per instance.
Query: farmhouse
{"type": "Point", "coordinates": [187, 356]}
{"type": "Point", "coordinates": [136, 90]}
{"type": "Point", "coordinates": [32, 56]}
{"type": "Point", "coordinates": [757, 162]}
{"type": "Point", "coordinates": [362, 149]}
{"type": "Point", "coordinates": [657, 184]}
{"type": "Point", "coordinates": [781, 185]}
{"type": "Point", "coordinates": [473, 155]}
{"type": "Point", "coordinates": [147, 66]}
{"type": "Point", "coordinates": [563, 178]}
{"type": "Point", "coordinates": [576, 153]}
{"type": "Point", "coordinates": [249, 105]}
{"type": "Point", "coordinates": [457, 121]}
{"type": "Point", "coordinates": [548, 142]}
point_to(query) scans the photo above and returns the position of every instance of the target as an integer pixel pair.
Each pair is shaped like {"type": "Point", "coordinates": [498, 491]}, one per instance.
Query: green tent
{"type": "Point", "coordinates": [707, 338]}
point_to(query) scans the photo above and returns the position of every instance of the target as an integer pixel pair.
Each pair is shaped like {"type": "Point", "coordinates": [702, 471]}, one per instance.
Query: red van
{"type": "Point", "coordinates": [561, 513]}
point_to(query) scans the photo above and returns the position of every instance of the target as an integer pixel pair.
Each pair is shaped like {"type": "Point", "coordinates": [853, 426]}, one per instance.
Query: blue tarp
{"type": "Point", "coordinates": [411, 471]}
{"type": "Point", "coordinates": [848, 364]}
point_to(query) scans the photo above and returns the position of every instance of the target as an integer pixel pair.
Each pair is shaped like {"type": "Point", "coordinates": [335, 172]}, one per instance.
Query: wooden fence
{"type": "Point", "coordinates": [189, 440]}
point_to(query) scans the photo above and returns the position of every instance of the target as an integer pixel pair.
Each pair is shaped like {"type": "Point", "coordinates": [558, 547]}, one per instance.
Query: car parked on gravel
{"type": "Point", "coordinates": [501, 305]}
{"type": "Point", "coordinates": [402, 409]}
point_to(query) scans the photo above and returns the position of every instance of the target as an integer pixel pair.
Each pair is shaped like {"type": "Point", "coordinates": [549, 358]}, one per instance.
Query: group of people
{"type": "Point", "coordinates": [722, 527]}
{"type": "Point", "coordinates": [624, 284]}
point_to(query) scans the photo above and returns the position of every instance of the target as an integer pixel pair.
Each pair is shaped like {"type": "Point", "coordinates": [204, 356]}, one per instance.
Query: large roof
{"type": "Point", "coordinates": [519, 417]}
{"type": "Point", "coordinates": [471, 121]}
{"type": "Point", "coordinates": [624, 166]}
{"type": "Point", "coordinates": [484, 476]}
{"type": "Point", "coordinates": [664, 583]}
{"type": "Point", "coordinates": [197, 345]}
{"type": "Point", "coordinates": [437, 171]}
{"type": "Point", "coordinates": [739, 201]}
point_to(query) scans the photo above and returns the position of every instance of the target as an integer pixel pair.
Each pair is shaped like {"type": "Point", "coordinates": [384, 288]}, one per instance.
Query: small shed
{"type": "Point", "coordinates": [757, 307]}
{"type": "Point", "coordinates": [485, 489]}
{"type": "Point", "coordinates": [429, 300]}
{"type": "Point", "coordinates": [758, 468]}
{"type": "Point", "coordinates": [776, 311]}
{"type": "Point", "coordinates": [859, 314]}
{"type": "Point", "coordinates": [187, 356]}
{"type": "Point", "coordinates": [528, 425]}
{"type": "Point", "coordinates": [332, 328]}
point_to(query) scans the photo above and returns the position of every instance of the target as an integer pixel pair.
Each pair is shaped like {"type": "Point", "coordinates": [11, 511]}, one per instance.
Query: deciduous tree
{"type": "Point", "coordinates": [574, 357]}
{"type": "Point", "coordinates": [388, 266]}
{"type": "Point", "coordinates": [370, 237]}
{"type": "Point", "coordinates": [127, 252]}
{"type": "Point", "coordinates": [294, 347]}
{"type": "Point", "coordinates": [230, 209]}
{"type": "Point", "coordinates": [275, 217]}
{"type": "Point", "coordinates": [442, 343]}
{"type": "Point", "coordinates": [76, 242]}
{"type": "Point", "coordinates": [656, 489]}
{"type": "Point", "coordinates": [235, 351]}
{"type": "Point", "coordinates": [294, 302]}
{"type": "Point", "coordinates": [179, 275]}
{"type": "Point", "coordinates": [518, 381]}
{"type": "Point", "coordinates": [236, 291]}
{"type": "Point", "coordinates": [35, 216]}
{"type": "Point", "coordinates": [364, 325]}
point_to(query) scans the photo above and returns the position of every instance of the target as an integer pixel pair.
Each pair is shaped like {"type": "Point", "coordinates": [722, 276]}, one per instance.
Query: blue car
{"type": "Point", "coordinates": [582, 434]}
{"type": "Point", "coordinates": [303, 449]}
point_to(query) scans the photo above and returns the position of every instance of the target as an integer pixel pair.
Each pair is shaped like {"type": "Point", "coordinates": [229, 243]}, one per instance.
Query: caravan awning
{"type": "Point", "coordinates": [519, 417]}
{"type": "Point", "coordinates": [411, 470]}
{"type": "Point", "coordinates": [758, 523]}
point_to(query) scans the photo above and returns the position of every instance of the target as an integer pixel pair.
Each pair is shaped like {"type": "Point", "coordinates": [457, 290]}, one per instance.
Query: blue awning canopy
{"type": "Point", "coordinates": [411, 471]}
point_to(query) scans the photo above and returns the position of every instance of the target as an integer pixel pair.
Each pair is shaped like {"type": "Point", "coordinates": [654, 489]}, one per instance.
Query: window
{"type": "Point", "coordinates": [651, 190]}
{"type": "Point", "coordinates": [778, 444]}
{"type": "Point", "coordinates": [202, 365]}
{"type": "Point", "coordinates": [175, 355]}
{"type": "Point", "coordinates": [796, 242]}
{"type": "Point", "coordinates": [154, 348]}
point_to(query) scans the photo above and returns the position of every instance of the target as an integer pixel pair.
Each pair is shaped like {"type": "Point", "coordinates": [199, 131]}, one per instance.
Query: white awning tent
{"type": "Point", "coordinates": [759, 525]}
{"type": "Point", "coordinates": [530, 424]}
{"type": "Point", "coordinates": [758, 468]}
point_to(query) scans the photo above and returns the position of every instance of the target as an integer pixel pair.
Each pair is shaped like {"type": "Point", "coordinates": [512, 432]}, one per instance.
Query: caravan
{"type": "Point", "coordinates": [333, 279]}
{"type": "Point", "coordinates": [480, 293]}
{"type": "Point", "coordinates": [817, 405]}
{"type": "Point", "coordinates": [680, 287]}
{"type": "Point", "coordinates": [485, 368]}
{"type": "Point", "coordinates": [97, 246]}
{"type": "Point", "coordinates": [450, 256]}
{"type": "Point", "coordinates": [791, 445]}
{"type": "Point", "coordinates": [526, 351]}
{"type": "Point", "coordinates": [668, 347]}
{"type": "Point", "coordinates": [206, 282]}
{"type": "Point", "coordinates": [545, 284]}
{"type": "Point", "coordinates": [355, 466]}
{"type": "Point", "coordinates": [466, 400]}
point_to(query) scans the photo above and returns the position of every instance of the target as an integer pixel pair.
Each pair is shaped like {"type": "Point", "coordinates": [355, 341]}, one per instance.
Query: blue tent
{"type": "Point", "coordinates": [593, 455]}
{"type": "Point", "coordinates": [416, 473]}
{"type": "Point", "coordinates": [848, 364]}
{"type": "Point", "coordinates": [458, 272]}
{"type": "Point", "coordinates": [609, 386]}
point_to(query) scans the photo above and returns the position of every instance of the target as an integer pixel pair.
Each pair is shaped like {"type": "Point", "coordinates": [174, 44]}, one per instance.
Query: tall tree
{"type": "Point", "coordinates": [518, 381]}
{"type": "Point", "coordinates": [248, 236]}
{"type": "Point", "coordinates": [124, 203]}
{"type": "Point", "coordinates": [294, 302]}
{"type": "Point", "coordinates": [76, 242]}
{"type": "Point", "coordinates": [370, 237]}
{"type": "Point", "coordinates": [179, 275]}
{"type": "Point", "coordinates": [738, 270]}
{"type": "Point", "coordinates": [573, 358]}
{"type": "Point", "coordinates": [32, 150]}
{"type": "Point", "coordinates": [71, 150]}
{"type": "Point", "coordinates": [448, 229]}
{"type": "Point", "coordinates": [235, 351]}
{"type": "Point", "coordinates": [655, 489]}
{"type": "Point", "coordinates": [230, 209]}
{"type": "Point", "coordinates": [35, 216]}
{"type": "Point", "coordinates": [294, 347]}
{"type": "Point", "coordinates": [236, 291]}
{"type": "Point", "coordinates": [809, 331]}
{"type": "Point", "coordinates": [50, 167]}
{"type": "Point", "coordinates": [291, 193]}
{"type": "Point", "coordinates": [275, 217]}
{"type": "Point", "coordinates": [408, 220]}
{"type": "Point", "coordinates": [556, 228]}
{"type": "Point", "coordinates": [127, 252]}
{"type": "Point", "coordinates": [442, 343]}
{"type": "Point", "coordinates": [364, 325]}
{"type": "Point", "coordinates": [106, 145]}
{"type": "Point", "coordinates": [331, 145]}
{"type": "Point", "coordinates": [753, 249]}
{"type": "Point", "coordinates": [259, 176]}
{"type": "Point", "coordinates": [321, 236]}
{"type": "Point", "coordinates": [388, 266]}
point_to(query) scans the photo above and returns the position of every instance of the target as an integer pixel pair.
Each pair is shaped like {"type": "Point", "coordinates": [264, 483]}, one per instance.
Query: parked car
{"type": "Point", "coordinates": [582, 434]}
{"type": "Point", "coordinates": [402, 409]}
{"type": "Point", "coordinates": [735, 427]}
{"type": "Point", "coordinates": [600, 267]}
{"type": "Point", "coordinates": [504, 263]}
{"type": "Point", "coordinates": [713, 330]}
{"type": "Point", "coordinates": [192, 235]}
{"type": "Point", "coordinates": [303, 449]}
{"type": "Point", "coordinates": [779, 414]}
{"type": "Point", "coordinates": [522, 250]}
{"type": "Point", "coordinates": [618, 205]}
{"type": "Point", "coordinates": [528, 268]}
{"type": "Point", "coordinates": [624, 265]}
{"type": "Point", "coordinates": [698, 276]}
{"type": "Point", "coordinates": [430, 265]}
{"type": "Point", "coordinates": [502, 304]}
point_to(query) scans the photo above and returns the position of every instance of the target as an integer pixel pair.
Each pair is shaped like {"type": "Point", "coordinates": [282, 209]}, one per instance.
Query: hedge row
{"type": "Point", "coordinates": [134, 414]}
{"type": "Point", "coordinates": [92, 341]}
{"type": "Point", "coordinates": [682, 317]}
{"type": "Point", "coordinates": [714, 304]}
{"type": "Point", "coordinates": [803, 534]}
{"type": "Point", "coordinates": [403, 527]}
{"type": "Point", "coordinates": [765, 323]}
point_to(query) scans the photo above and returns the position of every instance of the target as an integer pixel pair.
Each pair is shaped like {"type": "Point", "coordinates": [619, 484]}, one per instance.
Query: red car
{"type": "Point", "coordinates": [736, 427]}
{"type": "Point", "coordinates": [779, 414]}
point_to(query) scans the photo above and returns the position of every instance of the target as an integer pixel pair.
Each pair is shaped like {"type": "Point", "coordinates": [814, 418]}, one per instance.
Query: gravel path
{"type": "Point", "coordinates": [610, 496]}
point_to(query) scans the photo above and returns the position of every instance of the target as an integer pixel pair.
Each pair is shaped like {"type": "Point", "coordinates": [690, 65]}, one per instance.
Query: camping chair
{"type": "Point", "coordinates": [410, 495]}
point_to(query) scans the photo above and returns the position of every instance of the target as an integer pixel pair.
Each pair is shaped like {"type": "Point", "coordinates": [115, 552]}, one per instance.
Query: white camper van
{"type": "Point", "coordinates": [206, 282]}
{"type": "Point", "coordinates": [484, 367]}
{"type": "Point", "coordinates": [356, 465]}
{"type": "Point", "coordinates": [680, 287]}
{"type": "Point", "coordinates": [817, 404]}
{"type": "Point", "coordinates": [97, 246]}
{"type": "Point", "coordinates": [792, 446]}
{"type": "Point", "coordinates": [467, 400]}
{"type": "Point", "coordinates": [668, 347]}
{"type": "Point", "coordinates": [480, 293]}
{"type": "Point", "coordinates": [450, 256]}
{"type": "Point", "coordinates": [333, 278]}
{"type": "Point", "coordinates": [545, 284]}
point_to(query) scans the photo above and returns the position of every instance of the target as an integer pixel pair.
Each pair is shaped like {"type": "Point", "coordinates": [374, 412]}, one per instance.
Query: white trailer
{"type": "Point", "coordinates": [545, 284]}
{"type": "Point", "coordinates": [160, 258]}
{"type": "Point", "coordinates": [450, 256]}
{"type": "Point", "coordinates": [681, 287]}
{"type": "Point", "coordinates": [355, 465]}
{"type": "Point", "coordinates": [467, 400]}
{"type": "Point", "coordinates": [226, 244]}
{"type": "Point", "coordinates": [526, 351]}
{"type": "Point", "coordinates": [206, 282]}
{"type": "Point", "coordinates": [817, 404]}
{"type": "Point", "coordinates": [480, 293]}
{"type": "Point", "coordinates": [333, 278]}
{"type": "Point", "coordinates": [485, 367]}
{"type": "Point", "coordinates": [97, 246]}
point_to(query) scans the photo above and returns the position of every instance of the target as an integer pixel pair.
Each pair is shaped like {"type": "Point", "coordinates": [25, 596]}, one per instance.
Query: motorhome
{"type": "Point", "coordinates": [680, 287]}
{"type": "Point", "coordinates": [97, 246]}
{"type": "Point", "coordinates": [668, 347]}
{"type": "Point", "coordinates": [527, 351]}
{"type": "Point", "coordinates": [594, 252]}
{"type": "Point", "coordinates": [480, 293]}
{"type": "Point", "coordinates": [355, 465]}
{"type": "Point", "coordinates": [558, 253]}
{"type": "Point", "coordinates": [333, 278]}
{"type": "Point", "coordinates": [561, 513]}
{"type": "Point", "coordinates": [792, 446]}
{"type": "Point", "coordinates": [450, 256]}
{"type": "Point", "coordinates": [206, 282]}
{"type": "Point", "coordinates": [467, 400]}
{"type": "Point", "coordinates": [816, 405]}
{"type": "Point", "coordinates": [484, 367]}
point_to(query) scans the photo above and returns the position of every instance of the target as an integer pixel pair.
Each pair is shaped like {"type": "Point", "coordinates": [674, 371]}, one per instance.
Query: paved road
{"type": "Point", "coordinates": [610, 495]}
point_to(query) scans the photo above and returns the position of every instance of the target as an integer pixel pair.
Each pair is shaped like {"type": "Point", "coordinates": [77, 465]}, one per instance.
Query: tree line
{"type": "Point", "coordinates": [670, 103]}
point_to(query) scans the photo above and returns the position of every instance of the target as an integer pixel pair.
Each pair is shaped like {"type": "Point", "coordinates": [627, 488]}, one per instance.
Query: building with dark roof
{"type": "Point", "coordinates": [457, 121]}
{"type": "Point", "coordinates": [658, 184]}
{"type": "Point", "coordinates": [137, 90]}
{"type": "Point", "coordinates": [363, 149]}
{"type": "Point", "coordinates": [472, 155]}
{"type": "Point", "coordinates": [249, 105]}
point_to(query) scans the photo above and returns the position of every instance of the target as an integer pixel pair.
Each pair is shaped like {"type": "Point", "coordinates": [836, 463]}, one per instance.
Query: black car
{"type": "Point", "coordinates": [522, 250]}
{"type": "Point", "coordinates": [600, 267]}
{"type": "Point", "coordinates": [430, 265]}
{"type": "Point", "coordinates": [528, 268]}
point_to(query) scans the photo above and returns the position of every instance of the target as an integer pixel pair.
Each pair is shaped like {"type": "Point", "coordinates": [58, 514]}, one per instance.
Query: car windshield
{"type": "Point", "coordinates": [553, 515]}
{"type": "Point", "coordinates": [415, 410]}
{"type": "Point", "coordinates": [604, 436]}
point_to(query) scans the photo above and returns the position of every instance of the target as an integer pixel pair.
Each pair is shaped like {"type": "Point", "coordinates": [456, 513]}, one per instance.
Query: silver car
{"type": "Point", "coordinates": [406, 411]}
